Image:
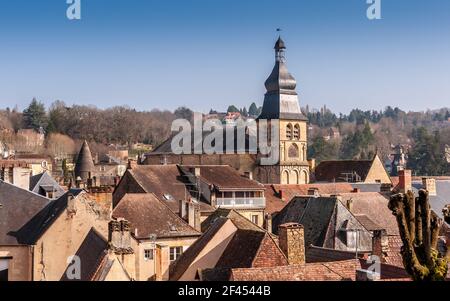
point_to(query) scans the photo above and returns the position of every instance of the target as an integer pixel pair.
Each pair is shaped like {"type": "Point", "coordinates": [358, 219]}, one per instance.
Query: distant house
{"type": "Point", "coordinates": [353, 171]}
{"type": "Point", "coordinates": [37, 163]}
{"type": "Point", "coordinates": [45, 185]}
{"type": "Point", "coordinates": [15, 172]}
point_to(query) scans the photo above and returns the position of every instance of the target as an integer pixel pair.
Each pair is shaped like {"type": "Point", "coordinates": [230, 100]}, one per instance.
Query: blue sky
{"type": "Point", "coordinates": [211, 53]}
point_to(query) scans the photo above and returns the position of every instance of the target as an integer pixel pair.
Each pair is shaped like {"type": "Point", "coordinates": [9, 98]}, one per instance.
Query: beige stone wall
{"type": "Point", "coordinates": [21, 262]}
{"type": "Point", "coordinates": [146, 268]}
{"type": "Point", "coordinates": [116, 273]}
{"type": "Point", "coordinates": [211, 253]}
{"type": "Point", "coordinates": [64, 237]}
{"type": "Point", "coordinates": [377, 173]}
{"type": "Point", "coordinates": [249, 213]}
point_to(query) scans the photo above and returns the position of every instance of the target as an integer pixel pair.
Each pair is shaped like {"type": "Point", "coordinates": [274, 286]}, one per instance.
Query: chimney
{"type": "Point", "coordinates": [313, 192]}
{"type": "Point", "coordinates": [182, 209]}
{"type": "Point", "coordinates": [349, 204]}
{"type": "Point", "coordinates": [195, 171]}
{"type": "Point", "coordinates": [125, 236]}
{"type": "Point", "coordinates": [71, 208]}
{"type": "Point", "coordinates": [405, 180]}
{"type": "Point", "coordinates": [312, 164]}
{"type": "Point", "coordinates": [366, 275]}
{"type": "Point", "coordinates": [249, 174]}
{"type": "Point", "coordinates": [193, 215]}
{"type": "Point", "coordinates": [380, 244]}
{"type": "Point", "coordinates": [280, 193]}
{"type": "Point", "coordinates": [131, 164]}
{"type": "Point", "coordinates": [268, 222]}
{"type": "Point", "coordinates": [114, 235]}
{"type": "Point", "coordinates": [291, 238]}
{"type": "Point", "coordinates": [429, 184]}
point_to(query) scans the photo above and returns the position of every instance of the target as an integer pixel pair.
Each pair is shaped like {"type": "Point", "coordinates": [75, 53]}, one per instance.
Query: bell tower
{"type": "Point", "coordinates": [281, 105]}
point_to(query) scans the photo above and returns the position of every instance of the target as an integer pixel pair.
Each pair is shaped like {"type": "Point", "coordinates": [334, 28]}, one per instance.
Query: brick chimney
{"type": "Point", "coordinates": [291, 238]}
{"type": "Point", "coordinates": [429, 184]}
{"type": "Point", "coordinates": [405, 182]}
{"type": "Point", "coordinates": [380, 244]}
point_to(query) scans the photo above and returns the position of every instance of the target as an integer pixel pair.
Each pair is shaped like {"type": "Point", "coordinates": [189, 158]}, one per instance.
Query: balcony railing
{"type": "Point", "coordinates": [241, 202]}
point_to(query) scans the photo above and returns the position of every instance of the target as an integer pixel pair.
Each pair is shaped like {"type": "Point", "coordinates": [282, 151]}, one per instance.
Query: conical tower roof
{"type": "Point", "coordinates": [84, 165]}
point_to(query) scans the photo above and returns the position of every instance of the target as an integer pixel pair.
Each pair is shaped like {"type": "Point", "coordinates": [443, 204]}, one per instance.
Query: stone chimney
{"type": "Point", "coordinates": [380, 244]}
{"type": "Point", "coordinates": [132, 164]}
{"type": "Point", "coordinates": [114, 235]}
{"type": "Point", "coordinates": [71, 207]}
{"type": "Point", "coordinates": [291, 238]}
{"type": "Point", "coordinates": [429, 184]}
{"type": "Point", "coordinates": [193, 215]}
{"type": "Point", "coordinates": [119, 236]}
{"type": "Point", "coordinates": [268, 222]}
{"type": "Point", "coordinates": [405, 182]}
{"type": "Point", "coordinates": [349, 204]}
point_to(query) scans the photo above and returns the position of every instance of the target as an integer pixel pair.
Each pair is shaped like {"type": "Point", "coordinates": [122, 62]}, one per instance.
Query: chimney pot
{"type": "Point", "coordinates": [405, 181]}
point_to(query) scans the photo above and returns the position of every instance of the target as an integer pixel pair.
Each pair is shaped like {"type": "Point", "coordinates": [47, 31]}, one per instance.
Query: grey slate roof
{"type": "Point", "coordinates": [85, 163]}
{"type": "Point", "coordinates": [315, 214]}
{"type": "Point", "coordinates": [442, 198]}
{"type": "Point", "coordinates": [43, 182]}
{"type": "Point", "coordinates": [17, 207]}
{"type": "Point", "coordinates": [30, 233]}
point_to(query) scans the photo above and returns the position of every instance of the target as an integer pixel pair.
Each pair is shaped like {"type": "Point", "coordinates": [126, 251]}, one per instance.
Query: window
{"type": "Point", "coordinates": [289, 131]}
{"type": "Point", "coordinates": [293, 151]}
{"type": "Point", "coordinates": [175, 252]}
{"type": "Point", "coordinates": [148, 254]}
{"type": "Point", "coordinates": [296, 132]}
{"type": "Point", "coordinates": [255, 219]}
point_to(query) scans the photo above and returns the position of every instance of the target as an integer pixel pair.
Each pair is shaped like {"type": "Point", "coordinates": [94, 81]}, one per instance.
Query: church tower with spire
{"type": "Point", "coordinates": [281, 105]}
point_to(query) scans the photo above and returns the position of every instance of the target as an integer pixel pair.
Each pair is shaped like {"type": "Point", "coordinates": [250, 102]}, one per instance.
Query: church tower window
{"type": "Point", "coordinates": [289, 132]}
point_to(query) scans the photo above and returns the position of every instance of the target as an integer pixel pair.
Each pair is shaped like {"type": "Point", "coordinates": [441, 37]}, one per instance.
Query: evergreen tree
{"type": "Point", "coordinates": [253, 110]}
{"type": "Point", "coordinates": [35, 116]}
{"type": "Point", "coordinates": [232, 109]}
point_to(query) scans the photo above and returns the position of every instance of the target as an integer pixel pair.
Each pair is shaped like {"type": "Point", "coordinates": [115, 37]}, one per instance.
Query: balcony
{"type": "Point", "coordinates": [241, 202]}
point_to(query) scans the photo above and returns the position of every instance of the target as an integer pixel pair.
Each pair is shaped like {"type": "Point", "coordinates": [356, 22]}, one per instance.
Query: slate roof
{"type": "Point", "coordinates": [92, 253]}
{"type": "Point", "coordinates": [85, 163]}
{"type": "Point", "coordinates": [30, 233]}
{"type": "Point", "coordinates": [43, 182]}
{"type": "Point", "coordinates": [225, 177]}
{"type": "Point", "coordinates": [439, 201]}
{"type": "Point", "coordinates": [148, 215]}
{"type": "Point", "coordinates": [372, 206]}
{"type": "Point", "coordinates": [334, 171]}
{"type": "Point", "coordinates": [164, 181]}
{"type": "Point", "coordinates": [315, 214]}
{"type": "Point", "coordinates": [17, 207]}
{"type": "Point", "coordinates": [278, 196]}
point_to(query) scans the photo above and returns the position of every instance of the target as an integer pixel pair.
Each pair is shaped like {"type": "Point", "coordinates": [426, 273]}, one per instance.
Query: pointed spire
{"type": "Point", "coordinates": [84, 166]}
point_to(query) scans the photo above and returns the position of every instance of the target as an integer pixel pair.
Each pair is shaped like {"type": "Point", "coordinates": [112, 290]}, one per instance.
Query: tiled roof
{"type": "Point", "coordinates": [240, 221]}
{"type": "Point", "coordinates": [367, 222]}
{"type": "Point", "coordinates": [148, 215]}
{"type": "Point", "coordinates": [328, 271]}
{"type": "Point", "coordinates": [17, 207]}
{"type": "Point", "coordinates": [393, 255]}
{"type": "Point", "coordinates": [225, 177]}
{"type": "Point", "coordinates": [277, 196]}
{"type": "Point", "coordinates": [330, 171]}
{"type": "Point", "coordinates": [166, 182]}
{"type": "Point", "coordinates": [318, 254]}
